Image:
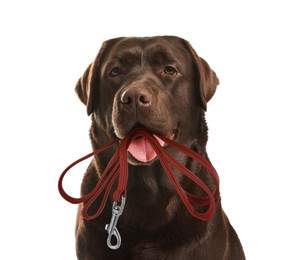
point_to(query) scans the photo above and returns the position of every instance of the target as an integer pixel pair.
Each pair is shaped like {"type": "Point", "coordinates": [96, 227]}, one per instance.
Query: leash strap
{"type": "Point", "coordinates": [117, 168]}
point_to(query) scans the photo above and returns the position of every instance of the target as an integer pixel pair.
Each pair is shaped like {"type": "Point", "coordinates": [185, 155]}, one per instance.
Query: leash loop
{"type": "Point", "coordinates": [111, 228]}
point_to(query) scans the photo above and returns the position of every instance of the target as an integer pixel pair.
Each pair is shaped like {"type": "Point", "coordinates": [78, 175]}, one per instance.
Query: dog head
{"type": "Point", "coordinates": [158, 83]}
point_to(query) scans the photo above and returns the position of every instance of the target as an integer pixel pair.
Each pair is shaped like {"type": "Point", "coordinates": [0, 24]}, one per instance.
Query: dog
{"type": "Point", "coordinates": [161, 84]}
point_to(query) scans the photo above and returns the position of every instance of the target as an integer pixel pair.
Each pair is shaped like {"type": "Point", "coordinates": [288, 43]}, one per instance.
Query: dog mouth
{"type": "Point", "coordinates": [141, 151]}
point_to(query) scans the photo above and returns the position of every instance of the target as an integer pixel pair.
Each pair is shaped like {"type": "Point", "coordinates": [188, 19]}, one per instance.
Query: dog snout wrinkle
{"type": "Point", "coordinates": [139, 96]}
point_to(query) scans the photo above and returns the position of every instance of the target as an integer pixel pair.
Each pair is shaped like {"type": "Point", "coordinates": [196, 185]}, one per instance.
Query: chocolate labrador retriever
{"type": "Point", "coordinates": [161, 84]}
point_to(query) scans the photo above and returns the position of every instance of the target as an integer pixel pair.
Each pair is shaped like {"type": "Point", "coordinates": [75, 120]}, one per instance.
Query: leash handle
{"type": "Point", "coordinates": [187, 198]}
{"type": "Point", "coordinates": [105, 183]}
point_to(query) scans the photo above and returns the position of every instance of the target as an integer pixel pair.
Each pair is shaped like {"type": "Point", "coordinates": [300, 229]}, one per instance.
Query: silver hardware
{"type": "Point", "coordinates": [111, 228]}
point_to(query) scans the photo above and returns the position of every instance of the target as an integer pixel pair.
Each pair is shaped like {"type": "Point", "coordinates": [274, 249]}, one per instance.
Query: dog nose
{"type": "Point", "coordinates": [138, 95]}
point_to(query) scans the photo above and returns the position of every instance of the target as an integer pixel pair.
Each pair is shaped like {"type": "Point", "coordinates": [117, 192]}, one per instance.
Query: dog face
{"type": "Point", "coordinates": [158, 83]}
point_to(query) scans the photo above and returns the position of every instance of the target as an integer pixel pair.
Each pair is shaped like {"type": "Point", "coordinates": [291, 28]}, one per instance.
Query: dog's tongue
{"type": "Point", "coordinates": [141, 149]}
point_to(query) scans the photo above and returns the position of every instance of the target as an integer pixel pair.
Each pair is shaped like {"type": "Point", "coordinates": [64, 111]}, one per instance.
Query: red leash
{"type": "Point", "coordinates": [117, 168]}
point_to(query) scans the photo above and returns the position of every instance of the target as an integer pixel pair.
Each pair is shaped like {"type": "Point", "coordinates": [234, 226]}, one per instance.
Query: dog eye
{"type": "Point", "coordinates": [115, 72]}
{"type": "Point", "coordinates": [169, 70]}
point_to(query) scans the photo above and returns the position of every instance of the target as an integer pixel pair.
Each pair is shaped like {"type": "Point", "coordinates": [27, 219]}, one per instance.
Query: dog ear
{"type": "Point", "coordinates": [87, 85]}
{"type": "Point", "coordinates": [81, 87]}
{"type": "Point", "coordinates": [208, 81]}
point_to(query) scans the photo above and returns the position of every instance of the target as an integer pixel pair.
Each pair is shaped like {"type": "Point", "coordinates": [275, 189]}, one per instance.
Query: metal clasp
{"type": "Point", "coordinates": [111, 228]}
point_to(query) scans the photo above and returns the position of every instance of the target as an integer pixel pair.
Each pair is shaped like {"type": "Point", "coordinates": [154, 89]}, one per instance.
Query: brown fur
{"type": "Point", "coordinates": [129, 84]}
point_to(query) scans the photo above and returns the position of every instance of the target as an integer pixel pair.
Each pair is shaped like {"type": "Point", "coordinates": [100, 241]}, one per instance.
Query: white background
{"type": "Point", "coordinates": [257, 118]}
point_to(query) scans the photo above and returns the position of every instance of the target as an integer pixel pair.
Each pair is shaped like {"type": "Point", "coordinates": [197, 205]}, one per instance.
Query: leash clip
{"type": "Point", "coordinates": [111, 228]}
